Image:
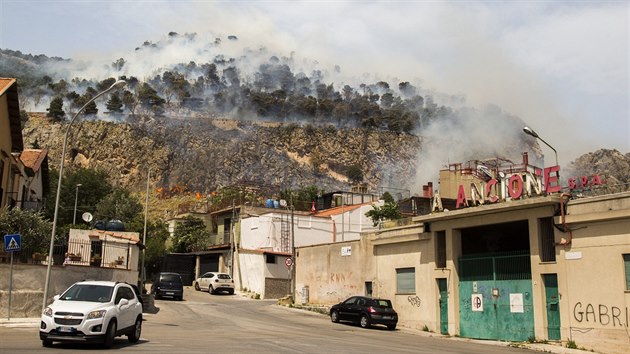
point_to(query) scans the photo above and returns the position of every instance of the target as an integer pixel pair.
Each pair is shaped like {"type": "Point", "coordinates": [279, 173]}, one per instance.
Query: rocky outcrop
{"type": "Point", "coordinates": [204, 154]}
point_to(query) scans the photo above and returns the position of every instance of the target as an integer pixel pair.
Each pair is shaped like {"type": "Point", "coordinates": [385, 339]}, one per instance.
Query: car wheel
{"type": "Point", "coordinates": [391, 327]}
{"type": "Point", "coordinates": [364, 322]}
{"type": "Point", "coordinates": [210, 290]}
{"type": "Point", "coordinates": [231, 291]}
{"type": "Point", "coordinates": [197, 286]}
{"type": "Point", "coordinates": [47, 343]}
{"type": "Point", "coordinates": [134, 335]}
{"type": "Point", "coordinates": [110, 335]}
{"type": "Point", "coordinates": [334, 316]}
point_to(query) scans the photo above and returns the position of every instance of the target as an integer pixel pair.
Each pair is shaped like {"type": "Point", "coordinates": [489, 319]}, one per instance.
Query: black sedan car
{"type": "Point", "coordinates": [365, 311]}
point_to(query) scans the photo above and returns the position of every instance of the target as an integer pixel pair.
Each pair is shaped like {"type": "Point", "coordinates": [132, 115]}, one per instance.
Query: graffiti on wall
{"type": "Point", "coordinates": [414, 300]}
{"type": "Point", "coordinates": [339, 277]}
{"type": "Point", "coordinates": [605, 315]}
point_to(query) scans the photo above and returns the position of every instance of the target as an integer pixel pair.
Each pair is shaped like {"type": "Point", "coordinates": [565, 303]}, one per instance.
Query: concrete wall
{"type": "Point", "coordinates": [351, 224]}
{"type": "Point", "coordinates": [414, 249]}
{"type": "Point", "coordinates": [595, 303]}
{"type": "Point", "coordinates": [28, 284]}
{"type": "Point", "coordinates": [264, 231]}
{"type": "Point", "coordinates": [331, 277]}
{"type": "Point", "coordinates": [250, 272]}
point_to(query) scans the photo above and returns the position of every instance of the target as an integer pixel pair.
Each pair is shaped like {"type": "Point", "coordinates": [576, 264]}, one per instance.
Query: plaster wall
{"type": "Point", "coordinates": [351, 224]}
{"type": "Point", "coordinates": [415, 309]}
{"type": "Point", "coordinates": [331, 276]}
{"type": "Point", "coordinates": [251, 272]}
{"type": "Point", "coordinates": [594, 300]}
{"type": "Point", "coordinates": [264, 232]}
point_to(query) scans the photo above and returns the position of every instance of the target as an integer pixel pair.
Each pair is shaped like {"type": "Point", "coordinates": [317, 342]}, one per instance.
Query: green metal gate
{"type": "Point", "coordinates": [553, 306]}
{"type": "Point", "coordinates": [443, 305]}
{"type": "Point", "coordinates": [495, 296]}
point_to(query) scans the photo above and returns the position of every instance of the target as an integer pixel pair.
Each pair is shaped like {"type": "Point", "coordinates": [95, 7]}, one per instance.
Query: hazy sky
{"type": "Point", "coordinates": [563, 67]}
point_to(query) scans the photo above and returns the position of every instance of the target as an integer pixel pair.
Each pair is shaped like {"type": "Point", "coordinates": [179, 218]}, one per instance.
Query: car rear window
{"type": "Point", "coordinates": [382, 303]}
{"type": "Point", "coordinates": [173, 278]}
{"type": "Point", "coordinates": [223, 276]}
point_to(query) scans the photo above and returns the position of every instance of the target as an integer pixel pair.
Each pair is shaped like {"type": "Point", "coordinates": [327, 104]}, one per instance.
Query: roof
{"type": "Point", "coordinates": [264, 251]}
{"type": "Point", "coordinates": [130, 236]}
{"type": "Point", "coordinates": [340, 209]}
{"type": "Point", "coordinates": [8, 87]}
{"type": "Point", "coordinates": [33, 158]}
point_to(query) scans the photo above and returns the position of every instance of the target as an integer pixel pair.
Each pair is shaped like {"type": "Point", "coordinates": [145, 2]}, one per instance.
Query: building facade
{"type": "Point", "coordinates": [526, 267]}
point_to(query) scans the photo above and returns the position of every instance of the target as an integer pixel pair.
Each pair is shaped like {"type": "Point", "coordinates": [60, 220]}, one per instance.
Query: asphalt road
{"type": "Point", "coordinates": [205, 323]}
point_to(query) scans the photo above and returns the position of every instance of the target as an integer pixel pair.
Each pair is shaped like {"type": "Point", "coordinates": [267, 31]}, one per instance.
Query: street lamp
{"type": "Point", "coordinates": [115, 85]}
{"type": "Point", "coordinates": [531, 132]}
{"type": "Point", "coordinates": [76, 197]}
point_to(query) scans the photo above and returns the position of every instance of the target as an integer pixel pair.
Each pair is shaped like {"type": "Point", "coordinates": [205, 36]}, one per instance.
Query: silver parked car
{"type": "Point", "coordinates": [213, 282]}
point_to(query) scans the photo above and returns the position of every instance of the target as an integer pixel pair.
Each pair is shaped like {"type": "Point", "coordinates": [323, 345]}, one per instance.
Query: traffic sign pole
{"type": "Point", "coordinates": [10, 287]}
{"type": "Point", "coordinates": [12, 243]}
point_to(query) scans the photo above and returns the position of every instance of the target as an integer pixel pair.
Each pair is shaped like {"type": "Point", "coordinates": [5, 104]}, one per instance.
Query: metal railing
{"type": "Point", "coordinates": [98, 253]}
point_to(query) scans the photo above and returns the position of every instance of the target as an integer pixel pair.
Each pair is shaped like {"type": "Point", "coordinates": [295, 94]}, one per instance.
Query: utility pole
{"type": "Point", "coordinates": [293, 265]}
{"type": "Point", "coordinates": [232, 240]}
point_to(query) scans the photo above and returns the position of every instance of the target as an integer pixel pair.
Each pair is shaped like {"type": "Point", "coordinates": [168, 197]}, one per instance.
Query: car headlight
{"type": "Point", "coordinates": [96, 314]}
{"type": "Point", "coordinates": [48, 312]}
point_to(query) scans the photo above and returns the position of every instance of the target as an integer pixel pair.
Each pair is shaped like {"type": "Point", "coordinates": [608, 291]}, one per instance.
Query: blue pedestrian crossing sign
{"type": "Point", "coordinates": [12, 243]}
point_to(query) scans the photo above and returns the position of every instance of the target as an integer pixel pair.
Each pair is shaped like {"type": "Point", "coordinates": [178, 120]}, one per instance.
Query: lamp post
{"type": "Point", "coordinates": [115, 85]}
{"type": "Point", "coordinates": [143, 274]}
{"type": "Point", "coordinates": [531, 132]}
{"type": "Point", "coordinates": [76, 197]}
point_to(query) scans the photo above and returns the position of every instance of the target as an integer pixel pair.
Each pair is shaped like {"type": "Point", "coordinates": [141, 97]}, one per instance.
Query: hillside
{"type": "Point", "coordinates": [206, 154]}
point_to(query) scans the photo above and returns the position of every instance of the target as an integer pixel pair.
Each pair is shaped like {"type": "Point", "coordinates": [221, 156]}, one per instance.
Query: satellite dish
{"type": "Point", "coordinates": [87, 217]}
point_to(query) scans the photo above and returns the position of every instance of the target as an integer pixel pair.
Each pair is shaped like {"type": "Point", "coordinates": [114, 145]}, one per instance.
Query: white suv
{"type": "Point", "coordinates": [92, 311]}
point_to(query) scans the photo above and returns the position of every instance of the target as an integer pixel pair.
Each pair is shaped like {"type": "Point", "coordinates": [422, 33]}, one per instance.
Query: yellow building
{"type": "Point", "coordinates": [11, 143]}
{"type": "Point", "coordinates": [551, 267]}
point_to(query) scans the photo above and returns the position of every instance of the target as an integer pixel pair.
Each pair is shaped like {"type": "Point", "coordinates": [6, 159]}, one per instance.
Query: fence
{"type": "Point", "coordinates": [97, 253]}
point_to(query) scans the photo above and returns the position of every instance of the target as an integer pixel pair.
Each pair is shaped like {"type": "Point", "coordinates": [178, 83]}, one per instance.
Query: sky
{"type": "Point", "coordinates": [561, 66]}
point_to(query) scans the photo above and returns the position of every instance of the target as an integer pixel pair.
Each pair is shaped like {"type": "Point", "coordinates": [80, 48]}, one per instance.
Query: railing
{"type": "Point", "coordinates": [98, 253]}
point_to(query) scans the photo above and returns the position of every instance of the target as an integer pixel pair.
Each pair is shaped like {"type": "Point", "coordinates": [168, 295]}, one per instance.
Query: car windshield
{"type": "Point", "coordinates": [173, 278]}
{"type": "Point", "coordinates": [223, 276]}
{"type": "Point", "coordinates": [91, 293]}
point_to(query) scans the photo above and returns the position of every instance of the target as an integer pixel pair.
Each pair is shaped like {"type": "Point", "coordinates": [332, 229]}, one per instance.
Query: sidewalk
{"type": "Point", "coordinates": [20, 322]}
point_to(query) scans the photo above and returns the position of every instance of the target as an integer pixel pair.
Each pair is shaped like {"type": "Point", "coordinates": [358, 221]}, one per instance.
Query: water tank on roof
{"type": "Point", "coordinates": [115, 225]}
{"type": "Point", "coordinates": [111, 225]}
{"type": "Point", "coordinates": [276, 204]}
{"type": "Point", "coordinates": [269, 203]}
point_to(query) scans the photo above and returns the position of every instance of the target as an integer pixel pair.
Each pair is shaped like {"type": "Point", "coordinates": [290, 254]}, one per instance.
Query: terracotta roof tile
{"type": "Point", "coordinates": [33, 158]}
{"type": "Point", "coordinates": [340, 209]}
{"type": "Point", "coordinates": [131, 236]}
{"type": "Point", "coordinates": [5, 83]}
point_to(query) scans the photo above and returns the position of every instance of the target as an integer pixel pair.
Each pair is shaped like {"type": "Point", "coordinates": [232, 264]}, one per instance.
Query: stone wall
{"type": "Point", "coordinates": [276, 288]}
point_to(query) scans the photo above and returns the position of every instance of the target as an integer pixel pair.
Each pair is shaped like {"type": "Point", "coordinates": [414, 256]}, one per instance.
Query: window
{"type": "Point", "coordinates": [124, 293]}
{"type": "Point", "coordinates": [626, 263]}
{"type": "Point", "coordinates": [406, 280]}
{"type": "Point", "coordinates": [440, 249]}
{"type": "Point", "coordinates": [547, 242]}
{"type": "Point", "coordinates": [270, 258]}
{"type": "Point", "coordinates": [368, 288]}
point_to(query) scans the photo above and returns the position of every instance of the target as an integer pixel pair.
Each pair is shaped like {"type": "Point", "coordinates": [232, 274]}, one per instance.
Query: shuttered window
{"type": "Point", "coordinates": [547, 242]}
{"type": "Point", "coordinates": [626, 263]}
{"type": "Point", "coordinates": [406, 280]}
{"type": "Point", "coordinates": [440, 249]}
